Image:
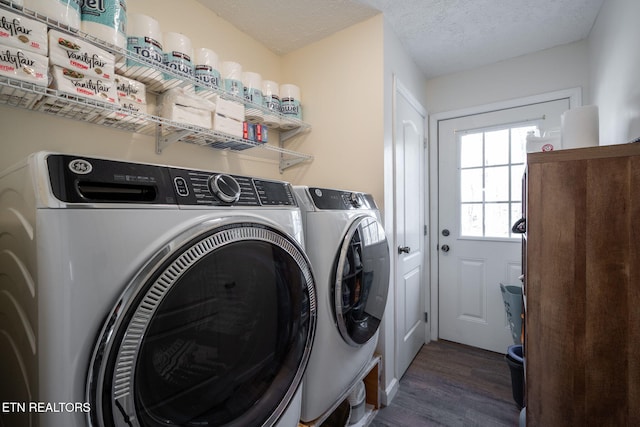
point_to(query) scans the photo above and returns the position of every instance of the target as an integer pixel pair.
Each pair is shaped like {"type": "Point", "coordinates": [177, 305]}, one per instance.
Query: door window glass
{"type": "Point", "coordinates": [490, 192]}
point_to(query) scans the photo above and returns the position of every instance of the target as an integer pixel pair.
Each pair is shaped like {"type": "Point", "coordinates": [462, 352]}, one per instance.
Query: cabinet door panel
{"type": "Point", "coordinates": [582, 349]}
{"type": "Point", "coordinates": [556, 257]}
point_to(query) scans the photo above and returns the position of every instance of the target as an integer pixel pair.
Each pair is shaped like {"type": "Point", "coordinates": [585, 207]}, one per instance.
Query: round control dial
{"type": "Point", "coordinates": [355, 200]}
{"type": "Point", "coordinates": [225, 188]}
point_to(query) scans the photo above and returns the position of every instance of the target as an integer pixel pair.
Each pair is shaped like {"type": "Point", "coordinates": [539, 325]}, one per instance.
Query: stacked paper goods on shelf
{"type": "Point", "coordinates": [213, 94]}
{"type": "Point", "coordinates": [181, 106]}
{"type": "Point", "coordinates": [133, 102]}
{"type": "Point", "coordinates": [23, 56]}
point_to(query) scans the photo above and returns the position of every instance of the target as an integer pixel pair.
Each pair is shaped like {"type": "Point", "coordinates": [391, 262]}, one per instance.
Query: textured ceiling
{"type": "Point", "coordinates": [442, 36]}
{"type": "Point", "coordinates": [286, 25]}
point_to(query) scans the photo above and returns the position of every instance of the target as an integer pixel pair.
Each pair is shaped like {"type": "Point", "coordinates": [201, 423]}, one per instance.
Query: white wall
{"type": "Point", "coordinates": [614, 64]}
{"type": "Point", "coordinates": [549, 70]}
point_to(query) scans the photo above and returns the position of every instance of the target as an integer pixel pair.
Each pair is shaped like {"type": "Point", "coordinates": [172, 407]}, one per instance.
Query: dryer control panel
{"type": "Point", "coordinates": [330, 199]}
{"type": "Point", "coordinates": [86, 180]}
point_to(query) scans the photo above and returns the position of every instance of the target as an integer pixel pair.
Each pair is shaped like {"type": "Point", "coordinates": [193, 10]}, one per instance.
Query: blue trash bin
{"type": "Point", "coordinates": [515, 360]}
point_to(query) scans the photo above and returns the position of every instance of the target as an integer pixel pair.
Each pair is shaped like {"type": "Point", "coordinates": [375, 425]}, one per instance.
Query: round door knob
{"type": "Point", "coordinates": [445, 248]}
{"type": "Point", "coordinates": [404, 249]}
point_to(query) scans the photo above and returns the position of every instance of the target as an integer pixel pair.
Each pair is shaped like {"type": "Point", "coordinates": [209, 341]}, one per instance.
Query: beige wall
{"type": "Point", "coordinates": [28, 131]}
{"type": "Point", "coordinates": [341, 81]}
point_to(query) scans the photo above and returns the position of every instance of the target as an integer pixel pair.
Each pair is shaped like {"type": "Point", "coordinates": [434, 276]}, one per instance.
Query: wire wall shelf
{"type": "Point", "coordinates": [158, 78]}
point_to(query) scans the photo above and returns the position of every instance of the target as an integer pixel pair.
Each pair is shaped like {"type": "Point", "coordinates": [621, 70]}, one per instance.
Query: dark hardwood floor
{"type": "Point", "coordinates": [449, 384]}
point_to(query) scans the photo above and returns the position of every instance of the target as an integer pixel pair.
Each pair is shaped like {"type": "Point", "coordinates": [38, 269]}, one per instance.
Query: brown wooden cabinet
{"type": "Point", "coordinates": [582, 287]}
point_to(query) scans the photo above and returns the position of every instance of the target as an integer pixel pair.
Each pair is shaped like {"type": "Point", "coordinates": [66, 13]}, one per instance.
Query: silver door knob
{"type": "Point", "coordinates": [404, 249]}
{"type": "Point", "coordinates": [445, 248]}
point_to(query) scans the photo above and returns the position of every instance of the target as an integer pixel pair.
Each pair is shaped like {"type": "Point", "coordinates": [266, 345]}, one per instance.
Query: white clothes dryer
{"type": "Point", "coordinates": [146, 295]}
{"type": "Point", "coordinates": [349, 253]}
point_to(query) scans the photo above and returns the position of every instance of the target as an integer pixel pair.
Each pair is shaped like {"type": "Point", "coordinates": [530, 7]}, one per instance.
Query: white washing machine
{"type": "Point", "coordinates": [146, 295]}
{"type": "Point", "coordinates": [349, 253]}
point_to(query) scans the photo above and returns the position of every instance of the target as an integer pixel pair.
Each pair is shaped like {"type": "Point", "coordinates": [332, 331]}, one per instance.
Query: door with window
{"type": "Point", "coordinates": [481, 162]}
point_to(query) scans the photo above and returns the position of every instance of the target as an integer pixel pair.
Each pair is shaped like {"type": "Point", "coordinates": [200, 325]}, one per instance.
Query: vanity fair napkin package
{"type": "Point", "coordinates": [25, 66]}
{"type": "Point", "coordinates": [74, 53]}
{"type": "Point", "coordinates": [132, 98]}
{"type": "Point", "coordinates": [23, 33]}
{"type": "Point", "coordinates": [75, 83]}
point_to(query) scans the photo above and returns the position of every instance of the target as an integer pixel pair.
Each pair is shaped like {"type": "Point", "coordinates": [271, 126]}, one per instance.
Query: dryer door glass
{"type": "Point", "coordinates": [361, 281]}
{"type": "Point", "coordinates": [220, 334]}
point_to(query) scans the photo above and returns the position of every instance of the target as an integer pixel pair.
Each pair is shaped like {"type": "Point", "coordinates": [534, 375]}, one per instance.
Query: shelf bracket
{"type": "Point", "coordinates": [287, 163]}
{"type": "Point", "coordinates": [163, 141]}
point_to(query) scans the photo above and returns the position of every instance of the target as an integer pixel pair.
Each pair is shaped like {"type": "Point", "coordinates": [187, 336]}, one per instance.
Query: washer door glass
{"type": "Point", "coordinates": [219, 335]}
{"type": "Point", "coordinates": [361, 281]}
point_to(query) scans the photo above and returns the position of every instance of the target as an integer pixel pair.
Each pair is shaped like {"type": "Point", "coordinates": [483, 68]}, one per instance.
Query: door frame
{"type": "Point", "coordinates": [575, 100]}
{"type": "Point", "coordinates": [399, 88]}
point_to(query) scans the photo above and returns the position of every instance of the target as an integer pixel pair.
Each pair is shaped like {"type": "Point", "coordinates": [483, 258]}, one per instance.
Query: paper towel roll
{"type": "Point", "coordinates": [271, 101]}
{"type": "Point", "coordinates": [106, 20]}
{"type": "Point", "coordinates": [231, 70]}
{"type": "Point", "coordinates": [144, 38]}
{"type": "Point", "coordinates": [580, 127]}
{"type": "Point", "coordinates": [252, 83]}
{"type": "Point", "coordinates": [139, 25]}
{"type": "Point", "coordinates": [290, 104]}
{"type": "Point", "coordinates": [65, 12]}
{"type": "Point", "coordinates": [270, 88]}
{"type": "Point", "coordinates": [207, 72]}
{"type": "Point", "coordinates": [178, 53]}
{"type": "Point", "coordinates": [232, 76]}
{"type": "Point", "coordinates": [205, 56]}
{"type": "Point", "coordinates": [177, 42]}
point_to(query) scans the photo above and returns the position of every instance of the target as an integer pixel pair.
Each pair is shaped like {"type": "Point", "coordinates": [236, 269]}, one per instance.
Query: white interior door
{"type": "Point", "coordinates": [410, 119]}
{"type": "Point", "coordinates": [481, 161]}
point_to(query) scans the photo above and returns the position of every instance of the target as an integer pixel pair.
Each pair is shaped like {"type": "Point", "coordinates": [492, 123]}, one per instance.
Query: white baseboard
{"type": "Point", "coordinates": [390, 392]}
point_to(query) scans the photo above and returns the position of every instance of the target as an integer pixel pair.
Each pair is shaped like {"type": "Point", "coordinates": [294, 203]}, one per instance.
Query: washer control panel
{"type": "Point", "coordinates": [196, 187]}
{"type": "Point", "coordinates": [87, 180]}
{"type": "Point", "coordinates": [79, 179]}
{"type": "Point", "coordinates": [225, 188]}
